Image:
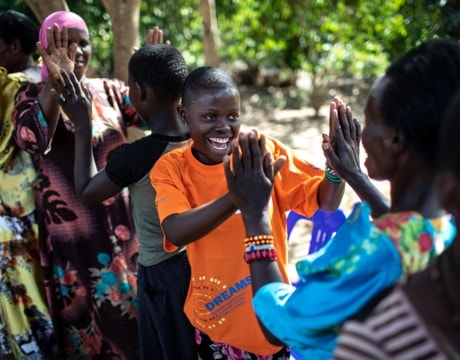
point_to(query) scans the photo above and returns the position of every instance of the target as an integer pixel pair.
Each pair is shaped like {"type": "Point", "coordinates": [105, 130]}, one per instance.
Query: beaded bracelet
{"type": "Point", "coordinates": [259, 240]}
{"type": "Point", "coordinates": [260, 255]}
{"type": "Point", "coordinates": [250, 248]}
{"type": "Point", "coordinates": [331, 175]}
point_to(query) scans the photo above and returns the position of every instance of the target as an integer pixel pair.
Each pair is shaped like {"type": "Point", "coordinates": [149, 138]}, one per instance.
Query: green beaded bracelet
{"type": "Point", "coordinates": [331, 175]}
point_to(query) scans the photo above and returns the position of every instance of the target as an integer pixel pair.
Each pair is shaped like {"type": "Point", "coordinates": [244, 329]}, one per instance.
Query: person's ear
{"type": "Point", "coordinates": [182, 113]}
{"type": "Point", "coordinates": [15, 45]}
{"type": "Point", "coordinates": [395, 141]}
{"type": "Point", "coordinates": [141, 91]}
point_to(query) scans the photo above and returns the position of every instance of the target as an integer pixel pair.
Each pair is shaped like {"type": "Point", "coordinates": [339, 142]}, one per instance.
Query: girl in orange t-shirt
{"type": "Point", "coordinates": [196, 210]}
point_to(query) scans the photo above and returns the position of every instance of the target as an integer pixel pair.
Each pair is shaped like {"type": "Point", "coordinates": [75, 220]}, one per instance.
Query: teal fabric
{"type": "Point", "coordinates": [356, 264]}
{"type": "Point", "coordinates": [361, 260]}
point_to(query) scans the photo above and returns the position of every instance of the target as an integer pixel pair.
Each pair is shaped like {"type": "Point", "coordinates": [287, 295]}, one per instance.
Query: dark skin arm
{"type": "Point", "coordinates": [92, 186]}
{"type": "Point", "coordinates": [189, 226]}
{"type": "Point", "coordinates": [58, 56]}
{"type": "Point", "coordinates": [330, 194]}
{"type": "Point", "coordinates": [250, 182]}
{"type": "Point", "coordinates": [341, 149]}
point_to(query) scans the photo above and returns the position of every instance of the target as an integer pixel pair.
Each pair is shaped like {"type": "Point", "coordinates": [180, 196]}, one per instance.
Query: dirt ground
{"type": "Point", "coordinates": [301, 130]}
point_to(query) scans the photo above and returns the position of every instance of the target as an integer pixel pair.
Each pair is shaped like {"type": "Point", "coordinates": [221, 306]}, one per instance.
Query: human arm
{"type": "Point", "coordinates": [58, 56]}
{"type": "Point", "coordinates": [191, 225]}
{"type": "Point", "coordinates": [36, 112]}
{"type": "Point", "coordinates": [330, 193]}
{"type": "Point", "coordinates": [341, 149]}
{"type": "Point", "coordinates": [92, 187]}
{"type": "Point", "coordinates": [250, 180]}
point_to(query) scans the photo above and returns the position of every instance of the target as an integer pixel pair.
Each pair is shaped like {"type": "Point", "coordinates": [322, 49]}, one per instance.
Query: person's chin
{"type": "Point", "coordinates": [370, 170]}
{"type": "Point", "coordinates": [79, 72]}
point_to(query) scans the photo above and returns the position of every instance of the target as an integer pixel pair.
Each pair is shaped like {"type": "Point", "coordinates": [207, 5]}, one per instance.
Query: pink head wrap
{"type": "Point", "coordinates": [61, 18]}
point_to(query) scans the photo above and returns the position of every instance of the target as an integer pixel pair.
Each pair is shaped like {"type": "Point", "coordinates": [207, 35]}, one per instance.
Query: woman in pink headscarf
{"type": "Point", "coordinates": [88, 253]}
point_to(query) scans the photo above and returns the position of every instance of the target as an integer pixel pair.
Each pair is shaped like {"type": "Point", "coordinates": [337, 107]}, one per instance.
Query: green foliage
{"type": "Point", "coordinates": [18, 5]}
{"type": "Point", "coordinates": [324, 37]}
{"type": "Point", "coordinates": [100, 28]}
{"type": "Point", "coordinates": [181, 23]}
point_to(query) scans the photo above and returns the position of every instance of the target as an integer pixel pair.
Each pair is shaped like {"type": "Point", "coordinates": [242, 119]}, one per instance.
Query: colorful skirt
{"type": "Point", "coordinates": [26, 329]}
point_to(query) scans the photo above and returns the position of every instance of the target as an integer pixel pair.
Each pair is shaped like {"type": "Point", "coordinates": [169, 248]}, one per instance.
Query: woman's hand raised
{"type": "Point", "coordinates": [58, 55]}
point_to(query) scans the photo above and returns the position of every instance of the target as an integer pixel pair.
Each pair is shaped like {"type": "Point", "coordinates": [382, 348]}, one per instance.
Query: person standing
{"type": "Point", "coordinates": [88, 253]}
{"type": "Point", "coordinates": [365, 257]}
{"type": "Point", "coordinates": [156, 75]}
{"type": "Point", "coordinates": [196, 210]}
{"type": "Point", "coordinates": [26, 329]}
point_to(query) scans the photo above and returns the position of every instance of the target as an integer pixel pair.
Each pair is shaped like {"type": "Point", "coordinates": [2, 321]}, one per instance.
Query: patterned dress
{"type": "Point", "coordinates": [26, 329]}
{"type": "Point", "coordinates": [88, 253]}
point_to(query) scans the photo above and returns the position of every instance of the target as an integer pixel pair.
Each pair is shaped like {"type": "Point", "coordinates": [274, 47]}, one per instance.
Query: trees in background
{"type": "Point", "coordinates": [328, 39]}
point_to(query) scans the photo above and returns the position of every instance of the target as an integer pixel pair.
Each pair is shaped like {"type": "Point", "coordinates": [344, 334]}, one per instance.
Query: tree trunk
{"type": "Point", "coordinates": [125, 26]}
{"type": "Point", "coordinates": [210, 32]}
{"type": "Point", "coordinates": [42, 9]}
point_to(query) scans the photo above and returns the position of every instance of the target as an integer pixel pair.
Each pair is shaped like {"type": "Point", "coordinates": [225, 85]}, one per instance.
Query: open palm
{"type": "Point", "coordinates": [58, 56]}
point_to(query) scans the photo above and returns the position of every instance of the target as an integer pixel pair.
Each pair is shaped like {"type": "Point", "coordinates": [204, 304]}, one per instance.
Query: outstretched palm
{"type": "Point", "coordinates": [58, 56]}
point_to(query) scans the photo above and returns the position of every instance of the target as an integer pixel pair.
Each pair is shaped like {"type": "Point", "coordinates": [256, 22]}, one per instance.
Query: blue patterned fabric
{"type": "Point", "coordinates": [356, 264]}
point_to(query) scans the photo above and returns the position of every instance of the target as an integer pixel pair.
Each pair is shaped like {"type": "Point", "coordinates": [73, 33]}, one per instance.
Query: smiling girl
{"type": "Point", "coordinates": [196, 210]}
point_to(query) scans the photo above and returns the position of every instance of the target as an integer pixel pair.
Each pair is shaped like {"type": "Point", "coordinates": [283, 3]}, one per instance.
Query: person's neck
{"type": "Point", "coordinates": [415, 193]}
{"type": "Point", "coordinates": [166, 121]}
{"type": "Point", "coordinates": [24, 64]}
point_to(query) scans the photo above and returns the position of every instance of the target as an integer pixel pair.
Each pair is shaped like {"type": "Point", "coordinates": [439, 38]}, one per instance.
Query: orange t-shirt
{"type": "Point", "coordinates": [219, 297]}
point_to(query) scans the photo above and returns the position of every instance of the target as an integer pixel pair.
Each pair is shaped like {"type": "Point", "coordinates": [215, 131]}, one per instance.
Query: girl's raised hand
{"type": "Point", "coordinates": [74, 99]}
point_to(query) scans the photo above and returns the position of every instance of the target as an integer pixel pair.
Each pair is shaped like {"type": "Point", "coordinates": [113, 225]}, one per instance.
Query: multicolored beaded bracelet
{"type": "Point", "coordinates": [260, 255]}
{"type": "Point", "coordinates": [250, 248]}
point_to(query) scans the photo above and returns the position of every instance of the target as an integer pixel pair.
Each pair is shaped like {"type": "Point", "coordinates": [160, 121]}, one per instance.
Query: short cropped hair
{"type": "Point", "coordinates": [205, 78]}
{"type": "Point", "coordinates": [421, 86]}
{"type": "Point", "coordinates": [15, 25]}
{"type": "Point", "coordinates": [160, 67]}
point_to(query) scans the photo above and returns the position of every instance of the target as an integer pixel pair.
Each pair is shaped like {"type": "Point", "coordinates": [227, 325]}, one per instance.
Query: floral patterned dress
{"type": "Point", "coordinates": [88, 253]}
{"type": "Point", "coordinates": [26, 329]}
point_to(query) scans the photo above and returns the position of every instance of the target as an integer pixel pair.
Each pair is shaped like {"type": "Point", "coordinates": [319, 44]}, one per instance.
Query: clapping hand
{"type": "Point", "coordinates": [154, 37]}
{"type": "Point", "coordinates": [74, 99]}
{"type": "Point", "coordinates": [113, 95]}
{"type": "Point", "coordinates": [250, 173]}
{"type": "Point", "coordinates": [341, 146]}
{"type": "Point", "coordinates": [58, 55]}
